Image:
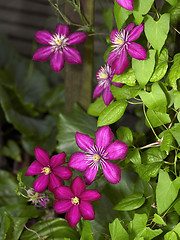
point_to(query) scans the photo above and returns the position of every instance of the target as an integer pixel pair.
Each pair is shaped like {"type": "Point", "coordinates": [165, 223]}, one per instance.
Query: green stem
{"type": "Point", "coordinates": [144, 110]}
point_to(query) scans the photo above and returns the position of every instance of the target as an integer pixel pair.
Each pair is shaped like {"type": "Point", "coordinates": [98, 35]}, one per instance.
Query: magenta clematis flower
{"type": "Point", "coordinates": [104, 77]}
{"type": "Point", "coordinates": [98, 154]}
{"type": "Point", "coordinates": [58, 50]}
{"type": "Point", "coordinates": [127, 4]}
{"type": "Point", "coordinates": [122, 42]}
{"type": "Point", "coordinates": [75, 201]}
{"type": "Point", "coordinates": [50, 171]}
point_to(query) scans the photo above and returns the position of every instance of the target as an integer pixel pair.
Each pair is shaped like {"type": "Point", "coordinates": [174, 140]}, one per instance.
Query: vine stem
{"type": "Point", "coordinates": [170, 125]}
{"type": "Point", "coordinates": [144, 110]}
{"type": "Point", "coordinates": [32, 231]}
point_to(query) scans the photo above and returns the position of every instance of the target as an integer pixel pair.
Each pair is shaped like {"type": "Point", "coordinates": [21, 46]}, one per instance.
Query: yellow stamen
{"type": "Point", "coordinates": [103, 75]}
{"type": "Point", "coordinates": [96, 157]}
{"type": "Point", "coordinates": [118, 41]}
{"type": "Point", "coordinates": [46, 170]}
{"type": "Point", "coordinates": [75, 200]}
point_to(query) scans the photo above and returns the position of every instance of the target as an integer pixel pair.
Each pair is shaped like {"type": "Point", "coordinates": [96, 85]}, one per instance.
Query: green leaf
{"type": "Point", "coordinates": [175, 130]}
{"type": "Point", "coordinates": [174, 73]}
{"type": "Point", "coordinates": [177, 206]}
{"type": "Point", "coordinates": [146, 171]}
{"type": "Point", "coordinates": [166, 191]}
{"type": "Point", "coordinates": [120, 14]}
{"type": "Point", "coordinates": [12, 150]}
{"type": "Point", "coordinates": [127, 77]}
{"type": "Point", "coordinates": [117, 230]}
{"type": "Point", "coordinates": [176, 99]}
{"type": "Point", "coordinates": [172, 2]}
{"type": "Point", "coordinates": [56, 229]}
{"type": "Point", "coordinates": [16, 227]}
{"type": "Point", "coordinates": [7, 186]}
{"type": "Point", "coordinates": [157, 118]}
{"type": "Point", "coordinates": [125, 135]}
{"type": "Point", "coordinates": [161, 66]}
{"type": "Point", "coordinates": [152, 155]}
{"type": "Point", "coordinates": [158, 219]}
{"type": "Point", "coordinates": [112, 113]}
{"type": "Point", "coordinates": [141, 8]}
{"type": "Point", "coordinates": [148, 233]}
{"type": "Point", "coordinates": [4, 225]}
{"type": "Point", "coordinates": [76, 121]}
{"type": "Point", "coordinates": [96, 107]}
{"type": "Point", "coordinates": [108, 18]}
{"type": "Point", "coordinates": [157, 31]}
{"type": "Point", "coordinates": [130, 203]}
{"type": "Point", "coordinates": [167, 141]}
{"type": "Point", "coordinates": [175, 14]}
{"type": "Point", "coordinates": [156, 99]}
{"type": "Point", "coordinates": [170, 236]}
{"type": "Point", "coordinates": [143, 69]}
{"type": "Point", "coordinates": [86, 231]}
{"type": "Point", "coordinates": [137, 224]}
{"type": "Point", "coordinates": [23, 123]}
{"type": "Point", "coordinates": [125, 92]}
{"type": "Point", "coordinates": [134, 156]}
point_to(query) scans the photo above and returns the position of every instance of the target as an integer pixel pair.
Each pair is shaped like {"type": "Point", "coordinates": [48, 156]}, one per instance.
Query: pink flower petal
{"type": "Point", "coordinates": [62, 206]}
{"type": "Point", "coordinates": [116, 150]}
{"type": "Point", "coordinates": [136, 51]}
{"type": "Point", "coordinates": [57, 160]}
{"type": "Point", "coordinates": [127, 4]}
{"type": "Point", "coordinates": [43, 54]}
{"type": "Point", "coordinates": [90, 195]}
{"type": "Point", "coordinates": [63, 172]}
{"type": "Point", "coordinates": [41, 183]}
{"type": "Point", "coordinates": [34, 169]}
{"type": "Point", "coordinates": [76, 38]}
{"type": "Point", "coordinates": [63, 192]}
{"type": "Point", "coordinates": [121, 63]}
{"type": "Point", "coordinates": [78, 162]}
{"type": "Point", "coordinates": [54, 182]}
{"type": "Point", "coordinates": [90, 175]}
{"type": "Point", "coordinates": [73, 215]}
{"type": "Point", "coordinates": [78, 186]}
{"type": "Point", "coordinates": [104, 137]}
{"type": "Point", "coordinates": [72, 55]}
{"type": "Point", "coordinates": [86, 210]}
{"type": "Point", "coordinates": [112, 57]}
{"type": "Point", "coordinates": [62, 30]}
{"type": "Point", "coordinates": [107, 95]}
{"type": "Point", "coordinates": [98, 91]}
{"type": "Point", "coordinates": [57, 61]}
{"type": "Point", "coordinates": [111, 172]}
{"type": "Point", "coordinates": [113, 34]}
{"type": "Point", "coordinates": [129, 27]}
{"type": "Point", "coordinates": [117, 84]}
{"type": "Point", "coordinates": [42, 156]}
{"type": "Point", "coordinates": [43, 37]}
{"type": "Point", "coordinates": [84, 141]}
{"type": "Point", "coordinates": [135, 33]}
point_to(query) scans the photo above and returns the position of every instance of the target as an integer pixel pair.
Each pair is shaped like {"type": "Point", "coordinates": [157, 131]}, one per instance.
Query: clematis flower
{"type": "Point", "coordinates": [122, 42]}
{"type": "Point", "coordinates": [127, 4]}
{"type": "Point", "coordinates": [58, 49]}
{"type": "Point", "coordinates": [50, 171]}
{"type": "Point", "coordinates": [104, 77]}
{"type": "Point", "coordinates": [74, 200]}
{"type": "Point", "coordinates": [98, 154]}
{"type": "Point", "coordinates": [37, 198]}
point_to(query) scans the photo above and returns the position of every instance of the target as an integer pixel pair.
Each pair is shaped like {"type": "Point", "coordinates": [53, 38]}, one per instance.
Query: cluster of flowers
{"type": "Point", "coordinates": [75, 199]}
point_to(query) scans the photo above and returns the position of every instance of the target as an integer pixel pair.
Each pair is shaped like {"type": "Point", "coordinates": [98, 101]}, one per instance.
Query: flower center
{"type": "Point", "coordinates": [103, 75]}
{"type": "Point", "coordinates": [59, 40]}
{"type": "Point", "coordinates": [46, 170]}
{"type": "Point", "coordinates": [75, 200]}
{"type": "Point", "coordinates": [96, 157]}
{"type": "Point", "coordinates": [119, 40]}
